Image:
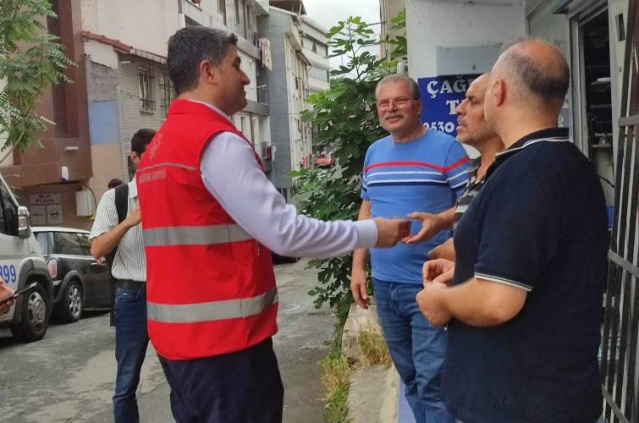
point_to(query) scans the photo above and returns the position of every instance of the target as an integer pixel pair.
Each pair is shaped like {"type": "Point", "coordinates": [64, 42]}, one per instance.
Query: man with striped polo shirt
{"type": "Point", "coordinates": [129, 270]}
{"type": "Point", "coordinates": [411, 169]}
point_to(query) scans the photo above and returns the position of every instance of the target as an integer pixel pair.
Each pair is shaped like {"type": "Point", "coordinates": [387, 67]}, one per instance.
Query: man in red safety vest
{"type": "Point", "coordinates": [210, 217]}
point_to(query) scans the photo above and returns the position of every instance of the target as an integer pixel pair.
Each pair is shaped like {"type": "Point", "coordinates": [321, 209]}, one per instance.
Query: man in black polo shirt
{"type": "Point", "coordinates": [524, 311]}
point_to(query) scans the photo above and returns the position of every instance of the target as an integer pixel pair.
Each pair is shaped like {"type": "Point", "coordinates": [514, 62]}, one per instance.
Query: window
{"type": "Point", "coordinates": [146, 90]}
{"type": "Point", "coordinates": [248, 18]}
{"type": "Point", "coordinates": [43, 240]}
{"type": "Point", "coordinates": [314, 48]}
{"type": "Point", "coordinates": [221, 7]}
{"type": "Point", "coordinates": [317, 73]}
{"type": "Point", "coordinates": [9, 214]}
{"type": "Point", "coordinates": [71, 243]}
{"type": "Point", "coordinates": [168, 93]}
{"type": "Point", "coordinates": [237, 11]}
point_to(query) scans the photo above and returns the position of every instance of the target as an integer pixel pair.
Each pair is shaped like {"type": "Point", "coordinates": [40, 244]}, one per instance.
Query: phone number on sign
{"type": "Point", "coordinates": [448, 127]}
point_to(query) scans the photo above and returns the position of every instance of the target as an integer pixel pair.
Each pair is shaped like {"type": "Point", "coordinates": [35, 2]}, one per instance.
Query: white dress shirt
{"type": "Point", "coordinates": [232, 175]}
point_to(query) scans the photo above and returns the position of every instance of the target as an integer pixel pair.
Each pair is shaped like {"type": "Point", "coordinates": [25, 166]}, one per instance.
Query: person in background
{"type": "Point", "coordinates": [129, 271]}
{"type": "Point", "coordinates": [114, 183]}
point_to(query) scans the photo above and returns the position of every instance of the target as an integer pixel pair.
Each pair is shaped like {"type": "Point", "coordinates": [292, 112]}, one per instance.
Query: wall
{"type": "Point", "coordinates": [67, 203]}
{"type": "Point", "coordinates": [123, 20]}
{"type": "Point", "coordinates": [104, 125]}
{"type": "Point", "coordinates": [130, 115]}
{"type": "Point", "coordinates": [432, 24]}
{"type": "Point", "coordinates": [277, 25]}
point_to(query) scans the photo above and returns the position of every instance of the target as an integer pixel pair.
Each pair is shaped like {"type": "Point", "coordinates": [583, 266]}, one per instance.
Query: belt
{"type": "Point", "coordinates": [130, 284]}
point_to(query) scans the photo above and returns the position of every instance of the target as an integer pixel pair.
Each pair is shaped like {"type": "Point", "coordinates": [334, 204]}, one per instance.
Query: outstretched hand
{"type": "Point", "coordinates": [432, 224]}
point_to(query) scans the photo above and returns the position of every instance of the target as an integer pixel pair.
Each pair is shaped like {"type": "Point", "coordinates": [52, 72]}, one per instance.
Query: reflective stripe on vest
{"type": "Point", "coordinates": [194, 235]}
{"type": "Point", "coordinates": [211, 311]}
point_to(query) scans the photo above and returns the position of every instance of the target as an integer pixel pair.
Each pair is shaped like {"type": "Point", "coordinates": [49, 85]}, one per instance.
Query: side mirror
{"type": "Point", "coordinates": [24, 230]}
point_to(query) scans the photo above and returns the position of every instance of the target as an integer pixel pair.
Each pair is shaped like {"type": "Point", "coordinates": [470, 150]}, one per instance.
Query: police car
{"type": "Point", "coordinates": [22, 263]}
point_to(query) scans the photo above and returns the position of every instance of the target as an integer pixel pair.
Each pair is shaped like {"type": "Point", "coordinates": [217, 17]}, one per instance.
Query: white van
{"type": "Point", "coordinates": [21, 263]}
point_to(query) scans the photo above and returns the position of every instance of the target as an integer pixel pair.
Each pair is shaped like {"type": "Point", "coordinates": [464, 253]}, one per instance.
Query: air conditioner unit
{"type": "Point", "coordinates": [84, 204]}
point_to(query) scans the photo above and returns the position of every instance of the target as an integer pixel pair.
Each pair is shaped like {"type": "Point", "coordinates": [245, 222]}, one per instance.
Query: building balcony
{"type": "Point", "coordinates": [293, 35]}
{"type": "Point", "coordinates": [317, 61]}
{"type": "Point", "coordinates": [260, 7]}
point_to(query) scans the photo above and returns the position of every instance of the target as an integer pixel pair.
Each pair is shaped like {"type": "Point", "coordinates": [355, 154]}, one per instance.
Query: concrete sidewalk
{"type": "Point", "coordinates": [376, 393]}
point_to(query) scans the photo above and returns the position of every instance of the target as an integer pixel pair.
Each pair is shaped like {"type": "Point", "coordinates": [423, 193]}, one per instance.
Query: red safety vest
{"type": "Point", "coordinates": [210, 286]}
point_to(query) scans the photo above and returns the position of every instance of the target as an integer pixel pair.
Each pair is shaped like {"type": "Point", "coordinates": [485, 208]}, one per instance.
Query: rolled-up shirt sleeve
{"type": "Point", "coordinates": [232, 175]}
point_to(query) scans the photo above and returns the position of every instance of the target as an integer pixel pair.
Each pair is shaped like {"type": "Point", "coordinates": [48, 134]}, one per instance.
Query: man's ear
{"type": "Point", "coordinates": [134, 157]}
{"type": "Point", "coordinates": [499, 91]}
{"type": "Point", "coordinates": [207, 71]}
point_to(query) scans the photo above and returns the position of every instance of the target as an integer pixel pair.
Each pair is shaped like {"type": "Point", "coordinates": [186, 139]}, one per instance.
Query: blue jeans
{"type": "Point", "coordinates": [131, 340]}
{"type": "Point", "coordinates": [416, 347]}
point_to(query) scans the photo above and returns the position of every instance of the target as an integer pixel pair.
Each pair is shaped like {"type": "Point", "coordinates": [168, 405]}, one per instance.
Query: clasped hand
{"type": "Point", "coordinates": [437, 275]}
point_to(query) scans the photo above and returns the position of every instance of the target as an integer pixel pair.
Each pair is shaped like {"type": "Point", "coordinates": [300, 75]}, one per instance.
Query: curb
{"type": "Point", "coordinates": [372, 396]}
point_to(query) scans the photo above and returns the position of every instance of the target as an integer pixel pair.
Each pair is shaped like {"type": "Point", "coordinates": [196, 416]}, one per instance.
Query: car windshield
{"type": "Point", "coordinates": [71, 243]}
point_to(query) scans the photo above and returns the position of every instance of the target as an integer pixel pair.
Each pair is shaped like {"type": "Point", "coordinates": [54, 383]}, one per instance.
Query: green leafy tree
{"type": "Point", "coordinates": [346, 119]}
{"type": "Point", "coordinates": [31, 60]}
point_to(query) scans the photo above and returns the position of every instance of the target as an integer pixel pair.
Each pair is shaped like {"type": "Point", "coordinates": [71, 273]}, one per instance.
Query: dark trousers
{"type": "Point", "coordinates": [240, 387]}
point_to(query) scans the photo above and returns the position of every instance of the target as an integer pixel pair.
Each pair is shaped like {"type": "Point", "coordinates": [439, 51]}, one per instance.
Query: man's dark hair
{"type": "Point", "coordinates": [140, 140]}
{"type": "Point", "coordinates": [114, 183]}
{"type": "Point", "coordinates": [548, 83]}
{"type": "Point", "coordinates": [188, 47]}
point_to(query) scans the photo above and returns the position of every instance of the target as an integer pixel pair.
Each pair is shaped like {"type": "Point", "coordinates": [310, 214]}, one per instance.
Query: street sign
{"type": "Point", "coordinates": [440, 96]}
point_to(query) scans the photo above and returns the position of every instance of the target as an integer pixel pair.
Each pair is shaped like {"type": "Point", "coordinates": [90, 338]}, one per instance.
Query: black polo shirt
{"type": "Point", "coordinates": [538, 224]}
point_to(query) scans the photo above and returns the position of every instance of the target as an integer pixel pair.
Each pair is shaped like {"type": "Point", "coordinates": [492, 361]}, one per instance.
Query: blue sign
{"type": "Point", "coordinates": [440, 96]}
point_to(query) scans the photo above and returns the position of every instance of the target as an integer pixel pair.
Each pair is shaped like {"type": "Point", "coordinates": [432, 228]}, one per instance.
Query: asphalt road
{"type": "Point", "coordinates": [69, 375]}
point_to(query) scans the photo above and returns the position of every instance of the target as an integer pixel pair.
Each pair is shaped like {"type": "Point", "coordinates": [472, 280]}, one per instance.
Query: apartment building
{"type": "Point", "coordinates": [119, 86]}
{"type": "Point", "coordinates": [47, 178]}
{"type": "Point", "coordinates": [315, 47]}
{"type": "Point", "coordinates": [300, 67]}
{"type": "Point", "coordinates": [130, 88]}
{"type": "Point", "coordinates": [389, 9]}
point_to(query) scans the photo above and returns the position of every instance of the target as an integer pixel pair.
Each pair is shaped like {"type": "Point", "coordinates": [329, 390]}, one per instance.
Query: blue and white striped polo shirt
{"type": "Point", "coordinates": [427, 175]}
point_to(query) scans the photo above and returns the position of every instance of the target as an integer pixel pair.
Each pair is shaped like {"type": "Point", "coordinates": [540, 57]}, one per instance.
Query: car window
{"type": "Point", "coordinates": [71, 243]}
{"type": "Point", "coordinates": [9, 212]}
{"type": "Point", "coordinates": [43, 240]}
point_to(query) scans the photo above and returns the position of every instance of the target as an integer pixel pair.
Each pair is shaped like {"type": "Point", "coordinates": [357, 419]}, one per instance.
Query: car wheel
{"type": "Point", "coordinates": [35, 316]}
{"type": "Point", "coordinates": [69, 308]}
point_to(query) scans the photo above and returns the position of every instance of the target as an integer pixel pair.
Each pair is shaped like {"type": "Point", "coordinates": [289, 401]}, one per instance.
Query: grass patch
{"type": "Point", "coordinates": [374, 348]}
{"type": "Point", "coordinates": [337, 371]}
{"type": "Point", "coordinates": [336, 382]}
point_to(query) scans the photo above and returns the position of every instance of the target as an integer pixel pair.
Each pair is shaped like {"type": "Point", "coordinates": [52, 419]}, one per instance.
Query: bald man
{"type": "Point", "coordinates": [524, 308]}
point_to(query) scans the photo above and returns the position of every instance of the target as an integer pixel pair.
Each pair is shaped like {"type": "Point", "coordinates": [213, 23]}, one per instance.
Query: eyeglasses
{"type": "Point", "coordinates": [398, 102]}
